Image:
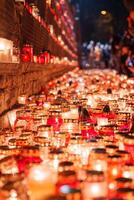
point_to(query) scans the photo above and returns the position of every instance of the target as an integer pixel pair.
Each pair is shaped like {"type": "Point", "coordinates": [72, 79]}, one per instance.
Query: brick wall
{"type": "Point", "coordinates": [25, 78]}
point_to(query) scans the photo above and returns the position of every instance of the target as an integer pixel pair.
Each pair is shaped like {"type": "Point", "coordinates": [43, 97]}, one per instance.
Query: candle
{"type": "Point", "coordinates": [102, 121]}
{"type": "Point", "coordinates": [27, 53]}
{"type": "Point", "coordinates": [6, 49]}
{"type": "Point", "coordinates": [41, 182]}
{"type": "Point", "coordinates": [45, 131]}
{"type": "Point", "coordinates": [12, 118]}
{"type": "Point", "coordinates": [22, 99]}
{"type": "Point", "coordinates": [94, 186]}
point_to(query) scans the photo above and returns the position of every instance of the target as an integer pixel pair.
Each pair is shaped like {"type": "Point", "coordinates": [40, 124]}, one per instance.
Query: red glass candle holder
{"type": "Point", "coordinates": [47, 57]}
{"type": "Point", "coordinates": [41, 58]}
{"type": "Point", "coordinates": [55, 120]}
{"type": "Point", "coordinates": [88, 132]}
{"type": "Point", "coordinates": [27, 53]}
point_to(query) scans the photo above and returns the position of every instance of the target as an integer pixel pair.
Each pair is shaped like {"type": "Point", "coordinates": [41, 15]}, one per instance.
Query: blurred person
{"type": "Point", "coordinates": [125, 54]}
{"type": "Point", "coordinates": [106, 55]}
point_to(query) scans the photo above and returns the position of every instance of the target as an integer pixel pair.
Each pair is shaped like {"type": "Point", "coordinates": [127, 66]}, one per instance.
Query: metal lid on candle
{"type": "Point", "coordinates": [70, 120]}
{"type": "Point", "coordinates": [42, 141]}
{"type": "Point", "coordinates": [115, 157]}
{"type": "Point", "coordinates": [125, 190]}
{"type": "Point", "coordinates": [122, 152]}
{"type": "Point", "coordinates": [129, 139]}
{"type": "Point", "coordinates": [66, 163]}
{"type": "Point", "coordinates": [123, 180]}
{"type": "Point", "coordinates": [55, 197]}
{"type": "Point", "coordinates": [95, 176]}
{"type": "Point", "coordinates": [56, 151]}
{"type": "Point", "coordinates": [94, 172]}
{"type": "Point", "coordinates": [67, 173]}
{"type": "Point", "coordinates": [100, 150]}
{"type": "Point", "coordinates": [111, 146]}
{"type": "Point", "coordinates": [44, 127]}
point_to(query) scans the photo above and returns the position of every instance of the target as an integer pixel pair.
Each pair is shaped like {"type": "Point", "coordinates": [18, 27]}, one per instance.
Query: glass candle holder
{"type": "Point", "coordinates": [45, 131]}
{"type": "Point", "coordinates": [129, 144]}
{"type": "Point", "coordinates": [95, 185]}
{"type": "Point", "coordinates": [128, 170]}
{"type": "Point", "coordinates": [41, 182]}
{"type": "Point", "coordinates": [88, 131]}
{"type": "Point", "coordinates": [65, 166]}
{"type": "Point", "coordinates": [60, 139]}
{"type": "Point", "coordinates": [111, 149]}
{"type": "Point", "coordinates": [70, 126]}
{"type": "Point", "coordinates": [55, 120]}
{"type": "Point", "coordinates": [98, 159]}
{"type": "Point", "coordinates": [123, 182]}
{"type": "Point", "coordinates": [67, 178]}
{"type": "Point", "coordinates": [102, 121]}
{"type": "Point", "coordinates": [125, 193]}
{"type": "Point", "coordinates": [114, 166]}
{"type": "Point", "coordinates": [27, 53]}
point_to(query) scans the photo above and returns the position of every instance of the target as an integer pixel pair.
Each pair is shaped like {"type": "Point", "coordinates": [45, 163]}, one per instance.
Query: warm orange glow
{"type": "Point", "coordinates": [103, 12]}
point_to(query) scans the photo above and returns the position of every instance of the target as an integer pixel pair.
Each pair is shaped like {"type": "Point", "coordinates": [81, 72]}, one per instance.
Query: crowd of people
{"type": "Point", "coordinates": [117, 54]}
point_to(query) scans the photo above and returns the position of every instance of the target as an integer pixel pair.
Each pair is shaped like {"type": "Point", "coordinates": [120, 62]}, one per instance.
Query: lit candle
{"type": "Point", "coordinates": [41, 182]}
{"type": "Point", "coordinates": [6, 49]}
{"type": "Point", "coordinates": [102, 121]}
{"type": "Point", "coordinates": [22, 99]}
{"type": "Point", "coordinates": [95, 185]}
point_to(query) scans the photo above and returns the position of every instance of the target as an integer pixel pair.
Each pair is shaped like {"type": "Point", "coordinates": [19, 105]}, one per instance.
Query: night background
{"type": "Point", "coordinates": [99, 27]}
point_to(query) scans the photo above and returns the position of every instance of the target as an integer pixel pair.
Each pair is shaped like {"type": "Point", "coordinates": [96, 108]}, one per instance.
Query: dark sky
{"type": "Point", "coordinates": [90, 17]}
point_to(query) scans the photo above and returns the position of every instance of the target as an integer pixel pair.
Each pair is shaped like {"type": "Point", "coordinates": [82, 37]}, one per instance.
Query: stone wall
{"type": "Point", "coordinates": [25, 78]}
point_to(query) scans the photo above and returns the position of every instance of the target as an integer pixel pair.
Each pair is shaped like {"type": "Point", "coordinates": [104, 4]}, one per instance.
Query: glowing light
{"type": "Point", "coordinates": [103, 12]}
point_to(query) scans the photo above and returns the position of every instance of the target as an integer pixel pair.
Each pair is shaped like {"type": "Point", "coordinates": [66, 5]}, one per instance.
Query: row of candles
{"type": "Point", "coordinates": [72, 141]}
{"type": "Point", "coordinates": [8, 53]}
{"type": "Point", "coordinates": [44, 57]}
{"type": "Point", "coordinates": [62, 22]}
{"type": "Point", "coordinates": [63, 17]}
{"type": "Point", "coordinates": [50, 31]}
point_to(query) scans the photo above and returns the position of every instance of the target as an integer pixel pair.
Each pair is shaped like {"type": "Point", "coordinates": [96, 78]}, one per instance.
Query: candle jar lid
{"type": "Point", "coordinates": [76, 134]}
{"type": "Point", "coordinates": [126, 192]}
{"type": "Point", "coordinates": [116, 158]}
{"type": "Point", "coordinates": [30, 151]}
{"type": "Point", "coordinates": [54, 113]}
{"type": "Point", "coordinates": [100, 151]}
{"type": "Point", "coordinates": [125, 155]}
{"type": "Point", "coordinates": [19, 142]}
{"type": "Point", "coordinates": [55, 106]}
{"type": "Point", "coordinates": [126, 181]}
{"type": "Point", "coordinates": [57, 153]}
{"type": "Point", "coordinates": [129, 140]}
{"type": "Point", "coordinates": [6, 150]}
{"type": "Point", "coordinates": [44, 128]}
{"type": "Point", "coordinates": [43, 141]}
{"type": "Point", "coordinates": [70, 120]}
{"type": "Point", "coordinates": [67, 173]}
{"type": "Point", "coordinates": [95, 176]}
{"type": "Point", "coordinates": [55, 197]}
{"type": "Point", "coordinates": [65, 166]}
{"type": "Point", "coordinates": [111, 149]}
